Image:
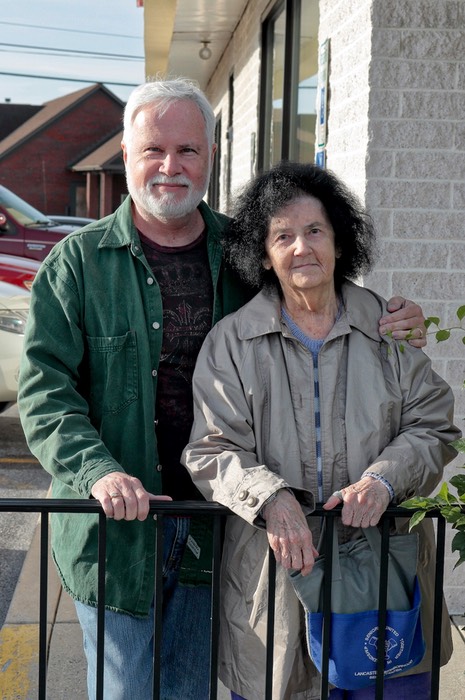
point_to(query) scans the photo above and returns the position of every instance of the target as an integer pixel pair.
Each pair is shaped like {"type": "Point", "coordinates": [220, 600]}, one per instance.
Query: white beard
{"type": "Point", "coordinates": [167, 206]}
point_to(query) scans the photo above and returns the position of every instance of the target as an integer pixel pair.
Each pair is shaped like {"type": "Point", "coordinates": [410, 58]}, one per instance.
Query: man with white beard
{"type": "Point", "coordinates": [118, 313]}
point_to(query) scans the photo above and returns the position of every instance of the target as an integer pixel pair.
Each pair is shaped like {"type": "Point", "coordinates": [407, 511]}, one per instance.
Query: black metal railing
{"type": "Point", "coordinates": [219, 513]}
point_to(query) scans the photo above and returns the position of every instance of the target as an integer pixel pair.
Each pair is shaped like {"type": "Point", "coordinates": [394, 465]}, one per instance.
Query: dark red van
{"type": "Point", "coordinates": [24, 230]}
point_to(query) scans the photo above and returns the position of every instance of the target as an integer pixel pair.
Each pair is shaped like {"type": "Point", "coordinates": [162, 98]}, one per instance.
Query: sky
{"type": "Point", "coordinates": [50, 48]}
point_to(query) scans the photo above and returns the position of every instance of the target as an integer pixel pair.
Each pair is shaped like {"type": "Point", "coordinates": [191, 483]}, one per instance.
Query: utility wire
{"type": "Point", "coordinates": [93, 54]}
{"type": "Point", "coordinates": [69, 55]}
{"type": "Point", "coordinates": [75, 31]}
{"type": "Point", "coordinates": [71, 80]}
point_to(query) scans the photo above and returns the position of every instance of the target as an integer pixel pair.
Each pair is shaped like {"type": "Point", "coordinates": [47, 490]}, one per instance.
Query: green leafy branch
{"type": "Point", "coordinates": [442, 334]}
{"type": "Point", "coordinates": [451, 507]}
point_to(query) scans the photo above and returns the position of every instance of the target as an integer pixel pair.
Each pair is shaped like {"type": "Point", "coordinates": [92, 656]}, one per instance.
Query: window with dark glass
{"type": "Point", "coordinates": [288, 83]}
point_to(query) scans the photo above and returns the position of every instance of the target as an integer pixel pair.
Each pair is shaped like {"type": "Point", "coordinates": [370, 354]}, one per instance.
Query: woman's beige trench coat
{"type": "Point", "coordinates": [254, 433]}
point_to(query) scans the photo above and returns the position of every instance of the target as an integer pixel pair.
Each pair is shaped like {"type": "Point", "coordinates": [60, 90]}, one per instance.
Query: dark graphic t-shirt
{"type": "Point", "coordinates": [183, 275]}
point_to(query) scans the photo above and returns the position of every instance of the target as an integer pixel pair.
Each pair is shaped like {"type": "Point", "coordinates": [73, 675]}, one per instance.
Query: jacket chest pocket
{"type": "Point", "coordinates": [113, 372]}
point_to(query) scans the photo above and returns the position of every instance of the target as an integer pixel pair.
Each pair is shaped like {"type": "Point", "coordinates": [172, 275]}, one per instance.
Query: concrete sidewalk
{"type": "Point", "coordinates": [66, 677]}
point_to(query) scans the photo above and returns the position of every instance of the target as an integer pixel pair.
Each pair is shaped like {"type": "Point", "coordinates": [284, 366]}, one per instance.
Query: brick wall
{"type": "Point", "coordinates": [38, 170]}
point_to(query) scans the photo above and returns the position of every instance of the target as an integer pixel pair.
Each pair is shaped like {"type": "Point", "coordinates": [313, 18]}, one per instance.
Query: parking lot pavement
{"type": "Point", "coordinates": [20, 477]}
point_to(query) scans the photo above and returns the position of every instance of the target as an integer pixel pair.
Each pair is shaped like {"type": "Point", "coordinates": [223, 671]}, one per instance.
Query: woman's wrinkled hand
{"type": "Point", "coordinates": [405, 321]}
{"type": "Point", "coordinates": [123, 497]}
{"type": "Point", "coordinates": [363, 502]}
{"type": "Point", "coordinates": [288, 533]}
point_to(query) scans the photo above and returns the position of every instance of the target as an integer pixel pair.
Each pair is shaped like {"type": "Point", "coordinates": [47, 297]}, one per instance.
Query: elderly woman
{"type": "Point", "coordinates": [297, 397]}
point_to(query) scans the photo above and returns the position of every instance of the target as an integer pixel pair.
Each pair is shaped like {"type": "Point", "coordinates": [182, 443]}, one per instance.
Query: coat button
{"type": "Point", "coordinates": [159, 467]}
{"type": "Point", "coordinates": [252, 502]}
{"type": "Point", "coordinates": [243, 495]}
{"type": "Point", "coordinates": [155, 325]}
{"type": "Point", "coordinates": [149, 280]}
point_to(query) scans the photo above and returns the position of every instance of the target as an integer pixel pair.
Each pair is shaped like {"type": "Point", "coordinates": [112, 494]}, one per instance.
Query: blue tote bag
{"type": "Point", "coordinates": [354, 609]}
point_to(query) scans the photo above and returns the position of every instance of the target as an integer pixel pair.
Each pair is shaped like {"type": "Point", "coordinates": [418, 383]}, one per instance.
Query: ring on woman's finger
{"type": "Point", "coordinates": [339, 495]}
{"type": "Point", "coordinates": [116, 495]}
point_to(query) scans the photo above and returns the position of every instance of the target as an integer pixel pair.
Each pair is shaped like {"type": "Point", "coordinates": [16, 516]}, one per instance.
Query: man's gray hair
{"type": "Point", "coordinates": [164, 93]}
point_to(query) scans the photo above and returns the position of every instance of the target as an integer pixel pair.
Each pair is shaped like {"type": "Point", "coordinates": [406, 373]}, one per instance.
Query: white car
{"type": "Point", "coordinates": [14, 308]}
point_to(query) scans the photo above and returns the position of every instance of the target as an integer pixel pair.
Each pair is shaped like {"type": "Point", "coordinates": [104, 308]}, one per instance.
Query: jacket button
{"type": "Point", "coordinates": [243, 495]}
{"type": "Point", "coordinates": [155, 325]}
{"type": "Point", "coordinates": [252, 501]}
{"type": "Point", "coordinates": [159, 467]}
{"type": "Point", "coordinates": [149, 280]}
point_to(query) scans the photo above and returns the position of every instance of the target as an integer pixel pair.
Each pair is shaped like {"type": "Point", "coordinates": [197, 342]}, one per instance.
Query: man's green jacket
{"type": "Point", "coordinates": [87, 391]}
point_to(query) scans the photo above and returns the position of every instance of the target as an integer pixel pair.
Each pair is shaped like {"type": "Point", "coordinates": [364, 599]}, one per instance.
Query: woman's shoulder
{"type": "Point", "coordinates": [364, 306]}
{"type": "Point", "coordinates": [354, 294]}
{"type": "Point", "coordinates": [258, 316]}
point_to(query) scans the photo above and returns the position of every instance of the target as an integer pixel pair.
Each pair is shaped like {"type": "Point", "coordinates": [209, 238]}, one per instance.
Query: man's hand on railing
{"type": "Point", "coordinates": [123, 497]}
{"type": "Point", "coordinates": [288, 533]}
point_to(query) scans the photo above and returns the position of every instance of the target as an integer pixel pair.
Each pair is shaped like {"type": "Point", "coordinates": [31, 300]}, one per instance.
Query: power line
{"type": "Point", "coordinates": [58, 54]}
{"type": "Point", "coordinates": [70, 80]}
{"type": "Point", "coordinates": [74, 31]}
{"type": "Point", "coordinates": [93, 54]}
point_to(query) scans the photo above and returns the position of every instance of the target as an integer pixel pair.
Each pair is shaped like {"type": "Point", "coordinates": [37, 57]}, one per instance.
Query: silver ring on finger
{"type": "Point", "coordinates": [116, 495]}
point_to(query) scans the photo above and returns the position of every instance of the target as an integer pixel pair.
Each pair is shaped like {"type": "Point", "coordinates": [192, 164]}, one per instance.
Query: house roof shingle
{"type": "Point", "coordinates": [12, 116]}
{"type": "Point", "coordinates": [47, 114]}
{"type": "Point", "coordinates": [107, 157]}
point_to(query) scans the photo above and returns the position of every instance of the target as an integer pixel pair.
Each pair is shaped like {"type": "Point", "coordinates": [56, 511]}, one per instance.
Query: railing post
{"type": "Point", "coordinates": [327, 594]}
{"type": "Point", "coordinates": [42, 693]}
{"type": "Point", "coordinates": [215, 606]}
{"type": "Point", "coordinates": [382, 609]}
{"type": "Point", "coordinates": [437, 610]}
{"type": "Point", "coordinates": [102, 550]}
{"type": "Point", "coordinates": [158, 606]}
{"type": "Point", "coordinates": [270, 625]}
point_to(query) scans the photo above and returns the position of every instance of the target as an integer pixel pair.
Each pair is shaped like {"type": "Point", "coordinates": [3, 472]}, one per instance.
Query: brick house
{"type": "Point", "coordinates": [37, 158]}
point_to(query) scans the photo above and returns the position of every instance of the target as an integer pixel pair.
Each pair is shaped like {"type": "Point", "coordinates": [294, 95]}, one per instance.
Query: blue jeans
{"type": "Point", "coordinates": [128, 670]}
{"type": "Point", "coordinates": [416, 687]}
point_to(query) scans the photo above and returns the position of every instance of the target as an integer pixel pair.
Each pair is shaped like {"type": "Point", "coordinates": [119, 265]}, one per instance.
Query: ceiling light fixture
{"type": "Point", "coordinates": [205, 52]}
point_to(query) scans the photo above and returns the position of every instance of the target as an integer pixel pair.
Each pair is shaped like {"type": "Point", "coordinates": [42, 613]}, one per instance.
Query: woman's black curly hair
{"type": "Point", "coordinates": [244, 238]}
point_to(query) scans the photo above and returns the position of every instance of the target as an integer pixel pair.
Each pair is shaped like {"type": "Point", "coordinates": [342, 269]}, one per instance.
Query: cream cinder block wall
{"type": "Point", "coordinates": [242, 60]}
{"type": "Point", "coordinates": [396, 135]}
{"type": "Point", "coordinates": [347, 24]}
